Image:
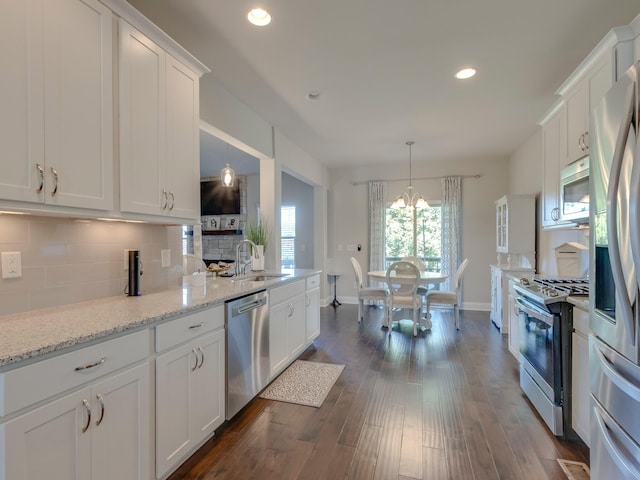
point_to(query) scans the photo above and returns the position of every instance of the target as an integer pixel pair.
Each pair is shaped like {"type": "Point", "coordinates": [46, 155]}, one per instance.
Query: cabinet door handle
{"type": "Point", "coordinates": [290, 310]}
{"type": "Point", "coordinates": [195, 353]}
{"type": "Point", "coordinates": [91, 365]}
{"type": "Point", "coordinates": [308, 300]}
{"type": "Point", "coordinates": [55, 177]}
{"type": "Point", "coordinates": [202, 357]}
{"type": "Point", "coordinates": [555, 214]}
{"type": "Point", "coordinates": [173, 200]}
{"type": "Point", "coordinates": [41, 173]}
{"type": "Point", "coordinates": [88, 410]}
{"type": "Point", "coordinates": [585, 140]}
{"type": "Point", "coordinates": [165, 199]}
{"type": "Point", "coordinates": [101, 401]}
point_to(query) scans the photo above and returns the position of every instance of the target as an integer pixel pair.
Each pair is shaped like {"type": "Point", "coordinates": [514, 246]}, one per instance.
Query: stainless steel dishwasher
{"type": "Point", "coordinates": [247, 322]}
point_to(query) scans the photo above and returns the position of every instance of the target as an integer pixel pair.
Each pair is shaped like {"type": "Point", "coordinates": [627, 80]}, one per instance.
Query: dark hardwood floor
{"type": "Point", "coordinates": [443, 405]}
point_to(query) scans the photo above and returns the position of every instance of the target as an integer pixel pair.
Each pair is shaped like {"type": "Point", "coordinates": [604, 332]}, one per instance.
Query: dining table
{"type": "Point", "coordinates": [426, 278]}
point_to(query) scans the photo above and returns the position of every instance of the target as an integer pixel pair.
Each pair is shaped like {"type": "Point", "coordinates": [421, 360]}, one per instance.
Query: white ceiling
{"type": "Point", "coordinates": [385, 68]}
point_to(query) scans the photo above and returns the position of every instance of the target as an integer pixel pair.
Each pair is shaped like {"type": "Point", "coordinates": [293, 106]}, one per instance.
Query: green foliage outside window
{"type": "Point", "coordinates": [399, 234]}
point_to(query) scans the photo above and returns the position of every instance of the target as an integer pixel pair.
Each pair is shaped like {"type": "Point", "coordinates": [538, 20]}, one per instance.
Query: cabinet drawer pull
{"type": "Point", "coordinates": [91, 365]}
{"type": "Point", "coordinates": [41, 173]}
{"type": "Point", "coordinates": [88, 410]}
{"type": "Point", "coordinates": [201, 324]}
{"type": "Point", "coordinates": [202, 356]}
{"type": "Point", "coordinates": [101, 401]}
{"type": "Point", "coordinates": [195, 353]}
{"type": "Point", "coordinates": [55, 177]}
{"type": "Point", "coordinates": [165, 199]}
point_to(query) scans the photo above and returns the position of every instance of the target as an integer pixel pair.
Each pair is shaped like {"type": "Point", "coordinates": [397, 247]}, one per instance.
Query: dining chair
{"type": "Point", "coordinates": [404, 294]}
{"type": "Point", "coordinates": [369, 293]}
{"type": "Point", "coordinates": [422, 289]}
{"type": "Point", "coordinates": [449, 297]}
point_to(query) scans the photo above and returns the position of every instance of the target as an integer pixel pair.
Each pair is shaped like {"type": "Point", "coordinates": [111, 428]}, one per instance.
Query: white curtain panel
{"type": "Point", "coordinates": [377, 225]}
{"type": "Point", "coordinates": [451, 228]}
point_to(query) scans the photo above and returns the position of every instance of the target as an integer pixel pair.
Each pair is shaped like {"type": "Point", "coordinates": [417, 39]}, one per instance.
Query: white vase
{"type": "Point", "coordinates": [257, 259]}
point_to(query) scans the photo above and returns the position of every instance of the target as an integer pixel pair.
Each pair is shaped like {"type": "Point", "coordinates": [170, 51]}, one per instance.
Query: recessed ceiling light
{"type": "Point", "coordinates": [466, 73]}
{"type": "Point", "coordinates": [259, 17]}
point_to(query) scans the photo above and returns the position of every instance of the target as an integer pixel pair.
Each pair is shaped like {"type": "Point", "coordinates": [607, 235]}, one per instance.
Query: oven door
{"type": "Point", "coordinates": [540, 363]}
{"type": "Point", "coordinates": [540, 346]}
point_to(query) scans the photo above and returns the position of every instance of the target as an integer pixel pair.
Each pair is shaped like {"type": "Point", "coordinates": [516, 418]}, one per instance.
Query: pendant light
{"type": "Point", "coordinates": [410, 199]}
{"type": "Point", "coordinates": [227, 175]}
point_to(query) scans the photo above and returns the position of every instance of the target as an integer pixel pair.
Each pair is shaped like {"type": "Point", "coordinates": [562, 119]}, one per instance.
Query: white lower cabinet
{"type": "Point", "coordinates": [514, 323]}
{"type": "Point", "coordinates": [580, 387]}
{"type": "Point", "coordinates": [101, 431]}
{"type": "Point", "coordinates": [313, 314]}
{"type": "Point", "coordinates": [501, 309]}
{"type": "Point", "coordinates": [313, 308]}
{"type": "Point", "coordinates": [190, 395]}
{"type": "Point", "coordinates": [287, 325]}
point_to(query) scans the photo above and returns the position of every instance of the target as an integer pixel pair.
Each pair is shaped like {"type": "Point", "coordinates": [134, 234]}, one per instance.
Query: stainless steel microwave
{"type": "Point", "coordinates": [574, 191]}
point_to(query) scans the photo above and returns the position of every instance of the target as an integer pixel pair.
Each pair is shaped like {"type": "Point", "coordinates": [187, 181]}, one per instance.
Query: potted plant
{"type": "Point", "coordinates": [258, 231]}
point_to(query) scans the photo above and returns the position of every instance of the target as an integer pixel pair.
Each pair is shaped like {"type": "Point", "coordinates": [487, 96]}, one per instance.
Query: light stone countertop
{"type": "Point", "coordinates": [28, 335]}
{"type": "Point", "coordinates": [579, 302]}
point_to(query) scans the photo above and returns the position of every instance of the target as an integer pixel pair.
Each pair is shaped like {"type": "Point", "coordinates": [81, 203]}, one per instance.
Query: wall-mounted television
{"type": "Point", "coordinates": [218, 200]}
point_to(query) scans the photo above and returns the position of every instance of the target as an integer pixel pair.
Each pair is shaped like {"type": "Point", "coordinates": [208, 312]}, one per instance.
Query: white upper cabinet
{"type": "Point", "coordinates": [580, 100]}
{"type": "Point", "coordinates": [553, 139]}
{"type": "Point", "coordinates": [183, 140]}
{"type": "Point", "coordinates": [142, 122]}
{"type": "Point", "coordinates": [56, 124]}
{"type": "Point", "coordinates": [515, 224]}
{"type": "Point", "coordinates": [159, 130]}
{"type": "Point", "coordinates": [587, 85]}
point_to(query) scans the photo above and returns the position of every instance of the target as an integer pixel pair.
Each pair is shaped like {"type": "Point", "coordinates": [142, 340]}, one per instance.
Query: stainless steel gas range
{"type": "Point", "coordinates": [545, 326]}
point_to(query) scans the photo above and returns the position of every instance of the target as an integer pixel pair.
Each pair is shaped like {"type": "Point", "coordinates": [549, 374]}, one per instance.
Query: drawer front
{"type": "Point", "coordinates": [280, 294]}
{"type": "Point", "coordinates": [189, 326]}
{"type": "Point", "coordinates": [33, 383]}
{"type": "Point", "coordinates": [313, 282]}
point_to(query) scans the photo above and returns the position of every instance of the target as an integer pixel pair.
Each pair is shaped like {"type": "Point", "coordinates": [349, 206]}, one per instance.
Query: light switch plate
{"type": "Point", "coordinates": [11, 265]}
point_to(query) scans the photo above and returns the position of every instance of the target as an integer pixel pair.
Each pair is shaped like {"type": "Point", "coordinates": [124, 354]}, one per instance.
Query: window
{"type": "Point", "coordinates": [415, 232]}
{"type": "Point", "coordinates": [288, 236]}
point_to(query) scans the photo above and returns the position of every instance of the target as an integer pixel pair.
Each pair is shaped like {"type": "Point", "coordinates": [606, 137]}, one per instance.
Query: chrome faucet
{"type": "Point", "coordinates": [238, 247]}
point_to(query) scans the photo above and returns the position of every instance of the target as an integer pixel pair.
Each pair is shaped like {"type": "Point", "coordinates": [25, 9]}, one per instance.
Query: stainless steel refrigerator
{"type": "Point", "coordinates": [614, 343]}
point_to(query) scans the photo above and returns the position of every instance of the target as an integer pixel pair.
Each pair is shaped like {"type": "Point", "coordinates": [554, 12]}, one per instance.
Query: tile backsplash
{"type": "Point", "coordinates": [68, 260]}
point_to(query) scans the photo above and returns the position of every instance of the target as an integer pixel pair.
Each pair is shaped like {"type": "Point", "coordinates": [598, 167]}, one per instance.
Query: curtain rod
{"type": "Point", "coordinates": [365, 182]}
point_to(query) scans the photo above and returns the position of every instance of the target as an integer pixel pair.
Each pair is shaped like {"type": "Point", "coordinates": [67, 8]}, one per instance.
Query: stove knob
{"type": "Point", "coordinates": [524, 281]}
{"type": "Point", "coordinates": [553, 293]}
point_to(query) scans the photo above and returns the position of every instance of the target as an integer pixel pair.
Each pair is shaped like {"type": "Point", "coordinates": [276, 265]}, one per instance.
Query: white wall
{"type": "Point", "coordinates": [525, 176]}
{"type": "Point", "coordinates": [348, 223]}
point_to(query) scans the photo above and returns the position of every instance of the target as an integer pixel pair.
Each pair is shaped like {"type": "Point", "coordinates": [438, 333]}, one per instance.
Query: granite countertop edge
{"type": "Point", "coordinates": [579, 302]}
{"type": "Point", "coordinates": [26, 336]}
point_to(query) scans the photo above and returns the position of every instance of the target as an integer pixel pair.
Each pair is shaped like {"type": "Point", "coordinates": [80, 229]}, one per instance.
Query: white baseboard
{"type": "Point", "coordinates": [476, 306]}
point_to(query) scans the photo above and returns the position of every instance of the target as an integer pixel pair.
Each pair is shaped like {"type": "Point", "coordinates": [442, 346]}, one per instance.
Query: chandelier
{"type": "Point", "coordinates": [410, 199]}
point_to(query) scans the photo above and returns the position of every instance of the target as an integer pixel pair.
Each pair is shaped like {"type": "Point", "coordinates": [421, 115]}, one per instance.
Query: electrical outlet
{"type": "Point", "coordinates": [165, 256]}
{"type": "Point", "coordinates": [11, 265]}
